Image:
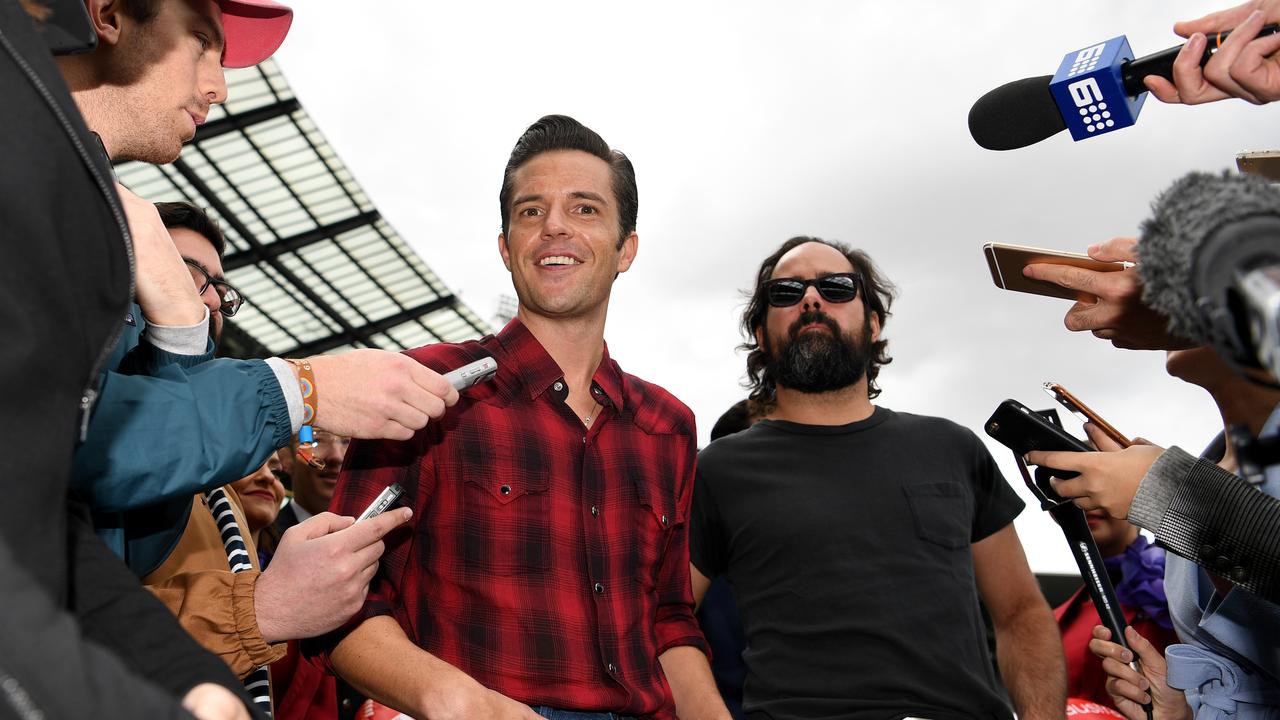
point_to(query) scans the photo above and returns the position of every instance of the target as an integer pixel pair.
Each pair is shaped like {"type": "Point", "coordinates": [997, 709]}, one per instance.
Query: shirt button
{"type": "Point", "coordinates": [664, 521]}
{"type": "Point", "coordinates": [1223, 563]}
{"type": "Point", "coordinates": [558, 386]}
{"type": "Point", "coordinates": [595, 511]}
{"type": "Point", "coordinates": [613, 669]}
{"type": "Point", "coordinates": [1239, 574]}
{"type": "Point", "coordinates": [1207, 552]}
{"type": "Point", "coordinates": [599, 588]}
{"type": "Point", "coordinates": [505, 489]}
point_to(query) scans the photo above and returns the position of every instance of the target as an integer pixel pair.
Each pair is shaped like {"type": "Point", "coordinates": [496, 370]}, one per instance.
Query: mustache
{"type": "Point", "coordinates": [810, 317]}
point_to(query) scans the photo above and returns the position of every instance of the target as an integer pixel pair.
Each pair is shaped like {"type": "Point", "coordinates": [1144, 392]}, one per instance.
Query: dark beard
{"type": "Point", "coordinates": [818, 362]}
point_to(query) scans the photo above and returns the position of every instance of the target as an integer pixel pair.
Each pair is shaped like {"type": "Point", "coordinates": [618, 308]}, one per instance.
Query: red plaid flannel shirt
{"type": "Point", "coordinates": [547, 561]}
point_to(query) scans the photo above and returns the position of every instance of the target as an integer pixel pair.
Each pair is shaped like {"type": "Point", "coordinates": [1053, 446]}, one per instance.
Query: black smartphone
{"type": "Point", "coordinates": [1022, 430]}
{"type": "Point", "coordinates": [66, 27]}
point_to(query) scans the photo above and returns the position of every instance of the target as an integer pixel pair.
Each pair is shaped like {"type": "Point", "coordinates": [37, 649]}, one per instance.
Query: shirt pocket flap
{"type": "Point", "coordinates": [505, 484]}
{"type": "Point", "coordinates": [658, 499]}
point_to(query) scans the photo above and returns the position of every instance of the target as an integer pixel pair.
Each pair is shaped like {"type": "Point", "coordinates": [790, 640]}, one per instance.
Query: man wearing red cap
{"type": "Point", "coordinates": [151, 82]}
{"type": "Point", "coordinates": [73, 247]}
{"type": "Point", "coordinates": [158, 67]}
{"type": "Point", "coordinates": [98, 645]}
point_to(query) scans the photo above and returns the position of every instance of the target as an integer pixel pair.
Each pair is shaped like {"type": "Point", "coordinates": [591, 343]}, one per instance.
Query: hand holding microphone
{"type": "Point", "coordinates": [1101, 88]}
{"type": "Point", "coordinates": [1130, 688]}
{"type": "Point", "coordinates": [1246, 66]}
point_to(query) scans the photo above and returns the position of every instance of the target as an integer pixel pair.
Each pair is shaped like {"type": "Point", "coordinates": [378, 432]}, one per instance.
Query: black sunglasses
{"type": "Point", "coordinates": [836, 288]}
{"type": "Point", "coordinates": [230, 297]}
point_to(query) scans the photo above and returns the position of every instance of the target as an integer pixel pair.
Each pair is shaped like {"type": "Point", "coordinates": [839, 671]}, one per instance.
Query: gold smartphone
{"type": "Point", "coordinates": [1084, 413]}
{"type": "Point", "coordinates": [1006, 263]}
{"type": "Point", "coordinates": [1263, 163]}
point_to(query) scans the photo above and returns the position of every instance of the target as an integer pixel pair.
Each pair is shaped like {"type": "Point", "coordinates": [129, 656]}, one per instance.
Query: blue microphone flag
{"type": "Point", "coordinates": [1089, 90]}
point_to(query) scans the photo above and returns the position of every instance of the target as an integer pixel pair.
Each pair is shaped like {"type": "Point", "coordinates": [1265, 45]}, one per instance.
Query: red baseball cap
{"type": "Point", "coordinates": [253, 29]}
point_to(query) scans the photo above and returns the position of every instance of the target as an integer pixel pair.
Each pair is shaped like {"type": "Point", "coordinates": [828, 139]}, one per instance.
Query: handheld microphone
{"type": "Point", "coordinates": [1095, 91]}
{"type": "Point", "coordinates": [1209, 259]}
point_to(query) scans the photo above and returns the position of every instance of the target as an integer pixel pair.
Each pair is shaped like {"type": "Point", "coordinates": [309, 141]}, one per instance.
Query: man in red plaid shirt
{"type": "Point", "coordinates": [545, 572]}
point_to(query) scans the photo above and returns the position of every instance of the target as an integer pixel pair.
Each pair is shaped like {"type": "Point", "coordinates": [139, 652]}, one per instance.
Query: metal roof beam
{"type": "Point", "coordinates": [243, 258]}
{"type": "Point", "coordinates": [325, 344]}
{"type": "Point", "coordinates": [243, 120]}
{"type": "Point", "coordinates": [349, 333]}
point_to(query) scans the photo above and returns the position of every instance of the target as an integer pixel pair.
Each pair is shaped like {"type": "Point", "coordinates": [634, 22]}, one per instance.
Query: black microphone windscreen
{"type": "Point", "coordinates": [1016, 115]}
{"type": "Point", "coordinates": [1196, 210]}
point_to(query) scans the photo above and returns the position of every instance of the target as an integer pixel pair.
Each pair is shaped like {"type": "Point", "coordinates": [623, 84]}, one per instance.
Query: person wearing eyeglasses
{"type": "Point", "coordinates": [201, 245]}
{"type": "Point", "coordinates": [182, 546]}
{"type": "Point", "coordinates": [858, 540]}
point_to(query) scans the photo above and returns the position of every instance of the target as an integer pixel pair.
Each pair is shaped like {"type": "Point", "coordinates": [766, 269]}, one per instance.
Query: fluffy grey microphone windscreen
{"type": "Point", "coordinates": [1183, 218]}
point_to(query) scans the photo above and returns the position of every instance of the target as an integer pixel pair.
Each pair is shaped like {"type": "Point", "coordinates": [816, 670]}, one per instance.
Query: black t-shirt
{"type": "Point", "coordinates": [848, 551]}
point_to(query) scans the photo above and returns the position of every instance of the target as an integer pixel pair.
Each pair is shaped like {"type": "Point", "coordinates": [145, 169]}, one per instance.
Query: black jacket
{"type": "Point", "coordinates": [65, 286]}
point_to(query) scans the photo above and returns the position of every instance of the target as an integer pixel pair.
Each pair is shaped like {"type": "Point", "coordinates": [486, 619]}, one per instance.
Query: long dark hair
{"type": "Point", "coordinates": [877, 295]}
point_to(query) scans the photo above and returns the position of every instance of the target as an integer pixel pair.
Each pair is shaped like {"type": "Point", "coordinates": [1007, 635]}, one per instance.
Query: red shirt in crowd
{"type": "Point", "coordinates": [546, 560]}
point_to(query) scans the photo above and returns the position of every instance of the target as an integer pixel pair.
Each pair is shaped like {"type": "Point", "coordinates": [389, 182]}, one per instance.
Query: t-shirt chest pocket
{"type": "Point", "coordinates": [942, 512]}
{"type": "Point", "coordinates": [505, 526]}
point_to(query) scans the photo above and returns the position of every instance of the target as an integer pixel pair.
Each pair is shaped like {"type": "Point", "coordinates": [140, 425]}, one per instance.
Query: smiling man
{"type": "Point", "coordinates": [546, 572]}
{"type": "Point", "coordinates": [857, 539]}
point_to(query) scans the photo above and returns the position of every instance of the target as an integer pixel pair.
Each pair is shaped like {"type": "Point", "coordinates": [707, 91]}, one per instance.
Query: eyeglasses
{"type": "Point", "coordinates": [231, 298]}
{"type": "Point", "coordinates": [836, 288]}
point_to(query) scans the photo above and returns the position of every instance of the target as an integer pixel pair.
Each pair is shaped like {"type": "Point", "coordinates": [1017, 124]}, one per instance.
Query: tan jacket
{"type": "Point", "coordinates": [212, 603]}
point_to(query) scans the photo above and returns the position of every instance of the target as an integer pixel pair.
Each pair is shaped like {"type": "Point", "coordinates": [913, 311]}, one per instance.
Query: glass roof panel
{"type": "Point", "coordinates": [321, 269]}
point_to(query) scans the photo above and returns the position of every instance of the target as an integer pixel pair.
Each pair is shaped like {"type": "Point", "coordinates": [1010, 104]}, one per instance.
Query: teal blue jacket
{"type": "Point", "coordinates": [167, 427]}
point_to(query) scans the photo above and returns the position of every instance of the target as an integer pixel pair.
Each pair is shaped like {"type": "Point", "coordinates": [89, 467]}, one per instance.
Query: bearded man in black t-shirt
{"type": "Point", "coordinates": [858, 540]}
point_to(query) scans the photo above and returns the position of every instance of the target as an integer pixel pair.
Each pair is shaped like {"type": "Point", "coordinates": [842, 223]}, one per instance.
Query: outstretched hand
{"type": "Point", "coordinates": [378, 394]}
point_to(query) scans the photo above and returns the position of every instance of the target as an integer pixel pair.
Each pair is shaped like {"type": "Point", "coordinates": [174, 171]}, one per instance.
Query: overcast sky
{"type": "Point", "coordinates": [751, 122]}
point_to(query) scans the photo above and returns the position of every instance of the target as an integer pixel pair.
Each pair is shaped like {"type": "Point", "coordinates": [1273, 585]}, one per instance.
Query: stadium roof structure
{"type": "Point", "coordinates": [320, 267]}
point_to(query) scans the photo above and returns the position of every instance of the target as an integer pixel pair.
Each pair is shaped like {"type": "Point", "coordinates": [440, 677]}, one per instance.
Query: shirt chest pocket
{"type": "Point", "coordinates": [653, 519]}
{"type": "Point", "coordinates": [505, 527]}
{"type": "Point", "coordinates": [941, 512]}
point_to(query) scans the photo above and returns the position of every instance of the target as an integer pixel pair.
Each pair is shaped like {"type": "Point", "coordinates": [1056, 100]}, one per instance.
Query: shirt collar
{"type": "Point", "coordinates": [299, 511]}
{"type": "Point", "coordinates": [537, 371]}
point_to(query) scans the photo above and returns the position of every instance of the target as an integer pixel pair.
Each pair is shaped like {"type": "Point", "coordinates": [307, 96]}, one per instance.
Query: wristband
{"type": "Point", "coordinates": [310, 401]}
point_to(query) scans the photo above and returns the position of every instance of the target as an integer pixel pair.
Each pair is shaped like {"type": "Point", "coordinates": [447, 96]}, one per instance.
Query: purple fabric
{"type": "Point", "coordinates": [1141, 585]}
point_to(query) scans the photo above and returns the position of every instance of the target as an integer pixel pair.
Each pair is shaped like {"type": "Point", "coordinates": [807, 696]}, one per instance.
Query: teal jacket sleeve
{"type": "Point", "coordinates": [168, 426]}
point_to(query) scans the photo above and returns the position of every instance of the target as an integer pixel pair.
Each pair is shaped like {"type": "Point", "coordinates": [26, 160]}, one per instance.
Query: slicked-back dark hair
{"type": "Point", "coordinates": [186, 215]}
{"type": "Point", "coordinates": [561, 132]}
{"type": "Point", "coordinates": [877, 295]}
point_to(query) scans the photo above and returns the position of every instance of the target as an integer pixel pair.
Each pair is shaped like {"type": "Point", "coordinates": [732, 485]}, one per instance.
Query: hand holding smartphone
{"type": "Point", "coordinates": [1006, 263]}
